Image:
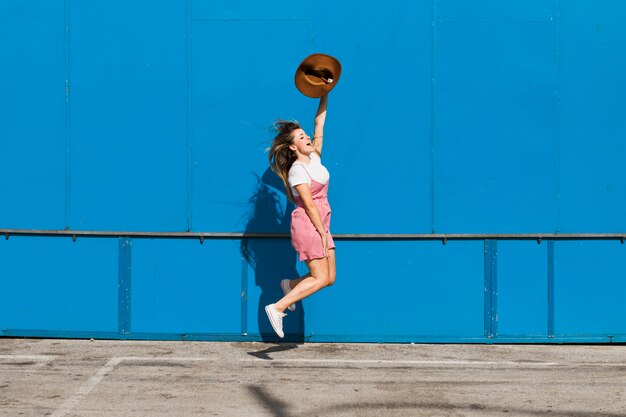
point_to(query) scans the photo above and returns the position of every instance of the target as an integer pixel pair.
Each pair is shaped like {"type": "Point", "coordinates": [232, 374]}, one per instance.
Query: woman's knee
{"type": "Point", "coordinates": [331, 280]}
{"type": "Point", "coordinates": [332, 273]}
{"type": "Point", "coordinates": [332, 269]}
{"type": "Point", "coordinates": [323, 280]}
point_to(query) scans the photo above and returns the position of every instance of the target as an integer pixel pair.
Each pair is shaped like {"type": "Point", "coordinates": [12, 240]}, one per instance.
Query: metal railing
{"type": "Point", "coordinates": [201, 236]}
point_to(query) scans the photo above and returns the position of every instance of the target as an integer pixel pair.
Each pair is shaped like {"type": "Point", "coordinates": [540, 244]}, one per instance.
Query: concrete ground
{"type": "Point", "coordinates": [56, 377]}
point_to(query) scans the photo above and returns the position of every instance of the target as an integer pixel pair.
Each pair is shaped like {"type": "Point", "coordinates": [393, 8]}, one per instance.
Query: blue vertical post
{"type": "Point", "coordinates": [491, 288]}
{"type": "Point", "coordinates": [550, 288]}
{"type": "Point", "coordinates": [244, 297]}
{"type": "Point", "coordinates": [124, 282]}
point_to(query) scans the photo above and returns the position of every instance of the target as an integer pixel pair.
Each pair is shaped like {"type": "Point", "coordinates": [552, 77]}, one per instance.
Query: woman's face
{"type": "Point", "coordinates": [301, 142]}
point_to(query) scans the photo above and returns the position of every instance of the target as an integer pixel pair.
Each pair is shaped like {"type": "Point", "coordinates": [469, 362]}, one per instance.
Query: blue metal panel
{"type": "Point", "coordinates": [522, 288]}
{"type": "Point", "coordinates": [32, 122]}
{"type": "Point", "coordinates": [589, 288]}
{"type": "Point", "coordinates": [495, 125]}
{"type": "Point", "coordinates": [495, 11]}
{"type": "Point", "coordinates": [378, 140]}
{"type": "Point", "coordinates": [129, 146]}
{"type": "Point", "coordinates": [251, 10]}
{"type": "Point", "coordinates": [592, 52]}
{"type": "Point", "coordinates": [417, 289]}
{"type": "Point", "coordinates": [182, 286]}
{"type": "Point", "coordinates": [485, 116]}
{"type": "Point", "coordinates": [235, 101]}
{"type": "Point", "coordinates": [54, 284]}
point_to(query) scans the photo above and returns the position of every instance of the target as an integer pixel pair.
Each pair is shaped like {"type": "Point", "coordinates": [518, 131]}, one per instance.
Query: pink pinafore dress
{"type": "Point", "coordinates": [304, 237]}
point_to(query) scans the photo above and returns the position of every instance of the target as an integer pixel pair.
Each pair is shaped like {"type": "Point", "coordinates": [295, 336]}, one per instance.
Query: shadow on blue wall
{"type": "Point", "coordinates": [272, 259]}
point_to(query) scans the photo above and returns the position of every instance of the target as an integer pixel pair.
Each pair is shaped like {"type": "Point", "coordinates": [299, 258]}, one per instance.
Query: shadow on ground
{"type": "Point", "coordinates": [264, 354]}
{"type": "Point", "coordinates": [280, 408]}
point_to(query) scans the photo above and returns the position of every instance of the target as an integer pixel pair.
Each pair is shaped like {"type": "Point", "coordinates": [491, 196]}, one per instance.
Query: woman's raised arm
{"type": "Point", "coordinates": [320, 118]}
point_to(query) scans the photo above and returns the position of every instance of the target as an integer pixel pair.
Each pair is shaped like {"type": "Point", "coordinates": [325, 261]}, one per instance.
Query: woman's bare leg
{"type": "Point", "coordinates": [317, 279]}
{"type": "Point", "coordinates": [332, 267]}
{"type": "Point", "coordinates": [332, 271]}
{"type": "Point", "coordinates": [294, 282]}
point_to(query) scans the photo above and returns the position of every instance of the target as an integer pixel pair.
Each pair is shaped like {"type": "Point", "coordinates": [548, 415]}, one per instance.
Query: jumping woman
{"type": "Point", "coordinates": [297, 161]}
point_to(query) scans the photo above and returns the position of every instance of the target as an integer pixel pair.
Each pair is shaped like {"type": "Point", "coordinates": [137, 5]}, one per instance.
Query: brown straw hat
{"type": "Point", "coordinates": [317, 75]}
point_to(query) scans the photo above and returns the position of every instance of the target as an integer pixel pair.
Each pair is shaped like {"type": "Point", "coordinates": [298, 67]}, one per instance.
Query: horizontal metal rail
{"type": "Point", "coordinates": [341, 236]}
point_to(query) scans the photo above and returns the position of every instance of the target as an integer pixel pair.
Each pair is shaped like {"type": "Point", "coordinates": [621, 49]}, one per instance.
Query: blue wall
{"type": "Point", "coordinates": [450, 117]}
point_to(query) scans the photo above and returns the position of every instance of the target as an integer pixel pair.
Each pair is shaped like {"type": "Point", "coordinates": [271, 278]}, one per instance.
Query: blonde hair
{"type": "Point", "coordinates": [280, 157]}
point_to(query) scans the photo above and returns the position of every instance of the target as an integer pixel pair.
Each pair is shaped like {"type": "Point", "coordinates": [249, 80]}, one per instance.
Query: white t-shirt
{"type": "Point", "coordinates": [317, 171]}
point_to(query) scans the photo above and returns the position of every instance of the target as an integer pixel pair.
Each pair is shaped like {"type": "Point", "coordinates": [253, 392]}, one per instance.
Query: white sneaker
{"type": "Point", "coordinates": [276, 319]}
{"type": "Point", "coordinates": [284, 284]}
